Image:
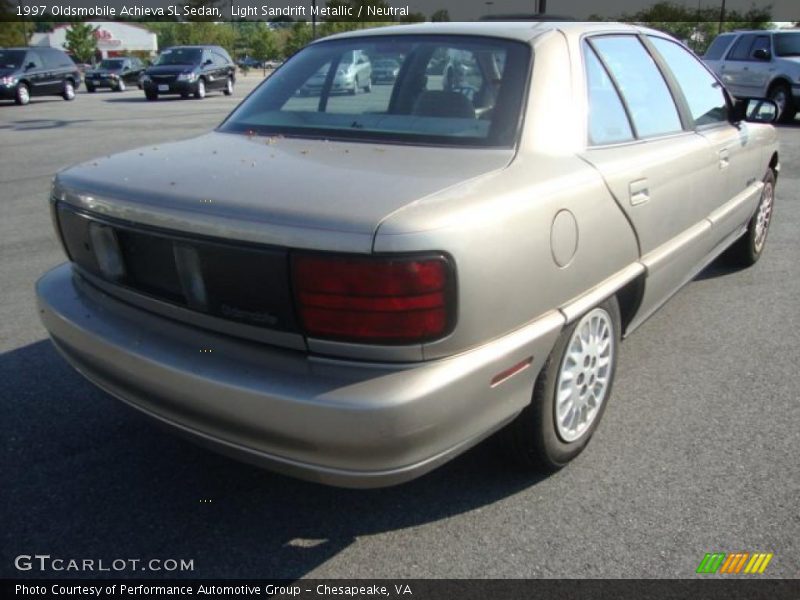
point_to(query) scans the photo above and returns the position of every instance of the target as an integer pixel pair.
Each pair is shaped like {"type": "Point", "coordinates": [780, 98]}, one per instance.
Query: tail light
{"type": "Point", "coordinates": [388, 300]}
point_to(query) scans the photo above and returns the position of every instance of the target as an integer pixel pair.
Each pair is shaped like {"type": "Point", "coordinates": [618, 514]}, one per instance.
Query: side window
{"type": "Point", "coordinates": [608, 123]}
{"type": "Point", "coordinates": [741, 49]}
{"type": "Point", "coordinates": [718, 47]}
{"type": "Point", "coordinates": [702, 91]}
{"type": "Point", "coordinates": [761, 43]}
{"type": "Point", "coordinates": [51, 59]}
{"type": "Point", "coordinates": [33, 57]}
{"type": "Point", "coordinates": [646, 94]}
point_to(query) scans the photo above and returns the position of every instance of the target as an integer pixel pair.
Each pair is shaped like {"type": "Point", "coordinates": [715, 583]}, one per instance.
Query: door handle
{"type": "Point", "coordinates": [724, 158]}
{"type": "Point", "coordinates": [639, 192]}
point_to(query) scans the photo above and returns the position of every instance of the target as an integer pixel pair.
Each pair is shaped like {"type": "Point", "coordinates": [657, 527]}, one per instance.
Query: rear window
{"type": "Point", "coordinates": [451, 90]}
{"type": "Point", "coordinates": [718, 47]}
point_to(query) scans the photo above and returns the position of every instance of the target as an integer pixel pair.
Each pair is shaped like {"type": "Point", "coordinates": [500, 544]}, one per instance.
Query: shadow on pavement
{"type": "Point", "coordinates": [91, 478]}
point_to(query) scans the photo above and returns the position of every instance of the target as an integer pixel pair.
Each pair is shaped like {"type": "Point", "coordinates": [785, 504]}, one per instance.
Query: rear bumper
{"type": "Point", "coordinates": [338, 422]}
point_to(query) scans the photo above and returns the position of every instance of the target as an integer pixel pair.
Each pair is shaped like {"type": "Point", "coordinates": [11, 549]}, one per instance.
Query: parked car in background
{"type": "Point", "coordinates": [353, 75]}
{"type": "Point", "coordinates": [757, 64]}
{"type": "Point", "coordinates": [31, 72]}
{"type": "Point", "coordinates": [249, 62]}
{"type": "Point", "coordinates": [385, 70]}
{"type": "Point", "coordinates": [356, 289]}
{"type": "Point", "coordinates": [116, 74]}
{"type": "Point", "coordinates": [190, 70]}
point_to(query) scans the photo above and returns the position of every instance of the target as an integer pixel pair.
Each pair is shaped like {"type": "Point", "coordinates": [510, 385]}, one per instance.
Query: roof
{"type": "Point", "coordinates": [513, 30]}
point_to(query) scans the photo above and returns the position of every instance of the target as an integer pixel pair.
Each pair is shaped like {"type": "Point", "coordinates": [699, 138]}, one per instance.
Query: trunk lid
{"type": "Point", "coordinates": [272, 190]}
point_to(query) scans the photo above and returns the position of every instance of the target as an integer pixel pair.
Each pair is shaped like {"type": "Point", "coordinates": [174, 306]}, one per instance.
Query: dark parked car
{"type": "Point", "coordinates": [248, 62]}
{"type": "Point", "coordinates": [190, 70]}
{"type": "Point", "coordinates": [27, 72]}
{"type": "Point", "coordinates": [115, 73]}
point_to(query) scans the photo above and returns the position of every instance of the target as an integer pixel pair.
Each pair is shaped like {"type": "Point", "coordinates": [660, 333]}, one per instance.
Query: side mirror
{"type": "Point", "coordinates": [30, 65]}
{"type": "Point", "coordinates": [208, 62]}
{"type": "Point", "coordinates": [762, 54]}
{"type": "Point", "coordinates": [755, 110]}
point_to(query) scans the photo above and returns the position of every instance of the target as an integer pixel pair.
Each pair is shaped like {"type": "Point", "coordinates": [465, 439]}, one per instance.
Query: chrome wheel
{"type": "Point", "coordinates": [121, 86]}
{"type": "Point", "coordinates": [585, 374]}
{"type": "Point", "coordinates": [229, 87]}
{"type": "Point", "coordinates": [69, 91]}
{"type": "Point", "coordinates": [201, 89]}
{"type": "Point", "coordinates": [763, 216]}
{"type": "Point", "coordinates": [23, 94]}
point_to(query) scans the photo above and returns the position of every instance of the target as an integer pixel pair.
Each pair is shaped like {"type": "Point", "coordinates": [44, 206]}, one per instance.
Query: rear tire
{"type": "Point", "coordinates": [90, 88]}
{"type": "Point", "coordinates": [22, 95]}
{"type": "Point", "coordinates": [781, 94]}
{"type": "Point", "coordinates": [746, 251]}
{"type": "Point", "coordinates": [151, 95]}
{"type": "Point", "coordinates": [570, 394]}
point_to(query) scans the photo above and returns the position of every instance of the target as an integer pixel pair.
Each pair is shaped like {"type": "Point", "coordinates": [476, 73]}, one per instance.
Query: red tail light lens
{"type": "Point", "coordinates": [390, 300]}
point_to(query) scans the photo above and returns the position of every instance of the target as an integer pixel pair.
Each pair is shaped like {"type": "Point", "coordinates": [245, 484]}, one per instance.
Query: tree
{"type": "Point", "coordinates": [414, 17]}
{"type": "Point", "coordinates": [440, 16]}
{"type": "Point", "coordinates": [12, 33]}
{"type": "Point", "coordinates": [80, 41]}
{"type": "Point", "coordinates": [697, 27]}
{"type": "Point", "coordinates": [356, 7]}
{"type": "Point", "coordinates": [299, 37]}
{"type": "Point", "coordinates": [263, 45]}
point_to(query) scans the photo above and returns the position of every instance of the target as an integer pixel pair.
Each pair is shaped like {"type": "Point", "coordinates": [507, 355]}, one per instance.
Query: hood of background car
{"type": "Point", "coordinates": [306, 184]}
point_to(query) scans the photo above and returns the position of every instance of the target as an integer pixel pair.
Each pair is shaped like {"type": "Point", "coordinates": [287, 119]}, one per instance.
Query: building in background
{"type": "Point", "coordinates": [113, 39]}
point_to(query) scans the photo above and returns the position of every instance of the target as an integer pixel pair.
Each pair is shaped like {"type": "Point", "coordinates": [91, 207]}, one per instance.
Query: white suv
{"type": "Point", "coordinates": [758, 64]}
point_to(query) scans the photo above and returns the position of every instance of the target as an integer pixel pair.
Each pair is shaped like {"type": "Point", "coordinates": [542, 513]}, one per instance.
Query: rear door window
{"type": "Point", "coordinates": [741, 50]}
{"type": "Point", "coordinates": [641, 84]}
{"type": "Point", "coordinates": [718, 47]}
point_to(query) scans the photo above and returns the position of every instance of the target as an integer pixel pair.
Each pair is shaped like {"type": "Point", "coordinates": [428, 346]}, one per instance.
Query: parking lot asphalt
{"type": "Point", "coordinates": [697, 452]}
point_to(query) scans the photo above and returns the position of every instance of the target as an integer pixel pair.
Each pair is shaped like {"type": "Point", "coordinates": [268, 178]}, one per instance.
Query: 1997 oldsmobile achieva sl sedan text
{"type": "Point", "coordinates": [354, 289]}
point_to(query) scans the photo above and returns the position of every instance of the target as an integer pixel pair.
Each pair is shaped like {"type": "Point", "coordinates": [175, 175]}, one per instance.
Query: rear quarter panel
{"type": "Point", "coordinates": [499, 231]}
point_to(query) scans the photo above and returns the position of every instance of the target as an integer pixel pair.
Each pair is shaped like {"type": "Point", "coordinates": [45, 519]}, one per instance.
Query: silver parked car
{"type": "Point", "coordinates": [355, 289]}
{"type": "Point", "coordinates": [757, 64]}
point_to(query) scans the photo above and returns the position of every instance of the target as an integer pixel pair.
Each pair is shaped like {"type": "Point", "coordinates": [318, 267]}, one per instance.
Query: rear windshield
{"type": "Point", "coordinates": [787, 44]}
{"type": "Point", "coordinates": [11, 59]}
{"type": "Point", "coordinates": [452, 90]}
{"type": "Point", "coordinates": [111, 64]}
{"type": "Point", "coordinates": [180, 56]}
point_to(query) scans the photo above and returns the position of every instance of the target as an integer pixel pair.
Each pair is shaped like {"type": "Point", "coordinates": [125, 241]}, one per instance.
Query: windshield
{"type": "Point", "coordinates": [453, 90]}
{"type": "Point", "coordinates": [11, 59]}
{"type": "Point", "coordinates": [787, 44]}
{"type": "Point", "coordinates": [111, 64]}
{"type": "Point", "coordinates": [180, 56]}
